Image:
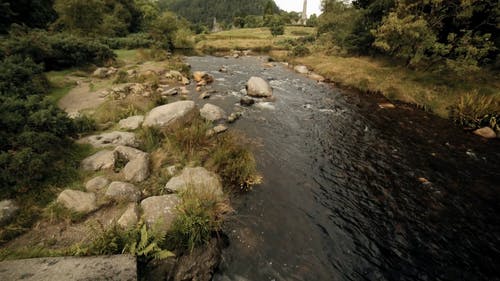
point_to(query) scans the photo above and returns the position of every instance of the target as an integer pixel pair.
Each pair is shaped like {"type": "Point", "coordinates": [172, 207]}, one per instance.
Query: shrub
{"type": "Point", "coordinates": [57, 51]}
{"type": "Point", "coordinates": [234, 162]}
{"type": "Point", "coordinates": [20, 77]}
{"type": "Point", "coordinates": [132, 41]}
{"type": "Point", "coordinates": [473, 110]}
{"type": "Point", "coordinates": [300, 51]}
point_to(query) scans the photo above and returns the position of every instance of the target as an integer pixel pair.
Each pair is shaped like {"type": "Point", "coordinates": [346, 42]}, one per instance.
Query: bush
{"type": "Point", "coordinates": [133, 41]}
{"type": "Point", "coordinates": [473, 111]}
{"type": "Point", "coordinates": [21, 76]}
{"type": "Point", "coordinates": [57, 51]}
{"type": "Point", "coordinates": [300, 51]}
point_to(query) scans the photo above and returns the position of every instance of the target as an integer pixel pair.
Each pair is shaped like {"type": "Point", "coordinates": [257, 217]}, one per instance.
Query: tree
{"type": "Point", "coordinates": [32, 13]}
{"type": "Point", "coordinates": [83, 16]}
{"type": "Point", "coordinates": [277, 27]}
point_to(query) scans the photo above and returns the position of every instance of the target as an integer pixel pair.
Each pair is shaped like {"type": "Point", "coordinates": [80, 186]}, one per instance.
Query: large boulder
{"type": "Point", "coordinates": [169, 114]}
{"type": "Point", "coordinates": [212, 112]}
{"type": "Point", "coordinates": [130, 217]}
{"type": "Point", "coordinates": [137, 167]}
{"type": "Point", "coordinates": [78, 201]}
{"type": "Point", "coordinates": [131, 123]}
{"type": "Point", "coordinates": [486, 133]}
{"type": "Point", "coordinates": [259, 88]}
{"type": "Point", "coordinates": [97, 184]}
{"type": "Point", "coordinates": [199, 179]}
{"type": "Point", "coordinates": [123, 192]}
{"type": "Point", "coordinates": [8, 209]}
{"type": "Point", "coordinates": [160, 211]}
{"type": "Point", "coordinates": [111, 139]}
{"type": "Point", "coordinates": [102, 160]}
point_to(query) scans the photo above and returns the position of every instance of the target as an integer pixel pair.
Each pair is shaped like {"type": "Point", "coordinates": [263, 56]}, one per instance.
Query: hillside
{"type": "Point", "coordinates": [204, 11]}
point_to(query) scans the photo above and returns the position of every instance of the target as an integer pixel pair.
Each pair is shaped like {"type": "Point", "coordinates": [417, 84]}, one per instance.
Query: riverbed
{"type": "Point", "coordinates": [352, 191]}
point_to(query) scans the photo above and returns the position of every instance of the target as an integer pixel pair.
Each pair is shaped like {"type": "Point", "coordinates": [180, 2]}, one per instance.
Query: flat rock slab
{"type": "Point", "coordinates": [120, 267]}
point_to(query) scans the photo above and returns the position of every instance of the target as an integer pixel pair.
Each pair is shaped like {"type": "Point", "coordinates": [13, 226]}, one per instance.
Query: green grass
{"type": "Point", "coordinates": [256, 39]}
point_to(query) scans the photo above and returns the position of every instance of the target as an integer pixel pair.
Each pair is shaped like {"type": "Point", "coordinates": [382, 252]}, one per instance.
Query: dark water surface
{"type": "Point", "coordinates": [341, 197]}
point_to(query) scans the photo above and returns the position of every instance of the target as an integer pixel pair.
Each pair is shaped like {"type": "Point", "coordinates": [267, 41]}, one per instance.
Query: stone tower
{"type": "Point", "coordinates": [304, 13]}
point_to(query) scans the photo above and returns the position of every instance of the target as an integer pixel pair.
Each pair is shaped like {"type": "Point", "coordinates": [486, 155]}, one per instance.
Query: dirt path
{"type": "Point", "coordinates": [81, 98]}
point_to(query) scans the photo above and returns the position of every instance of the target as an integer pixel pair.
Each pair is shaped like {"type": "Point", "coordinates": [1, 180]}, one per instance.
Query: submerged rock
{"type": "Point", "coordinates": [78, 201]}
{"type": "Point", "coordinates": [169, 114]}
{"type": "Point", "coordinates": [199, 179]}
{"type": "Point", "coordinates": [160, 211]}
{"type": "Point", "coordinates": [247, 101]}
{"type": "Point", "coordinates": [200, 264]}
{"type": "Point", "coordinates": [258, 87]}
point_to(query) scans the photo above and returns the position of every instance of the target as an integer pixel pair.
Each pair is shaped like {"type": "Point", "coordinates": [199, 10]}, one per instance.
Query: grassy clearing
{"type": "Point", "coordinates": [256, 39]}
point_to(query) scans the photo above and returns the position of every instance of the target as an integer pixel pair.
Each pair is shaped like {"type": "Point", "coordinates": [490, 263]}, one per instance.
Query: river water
{"type": "Point", "coordinates": [354, 192]}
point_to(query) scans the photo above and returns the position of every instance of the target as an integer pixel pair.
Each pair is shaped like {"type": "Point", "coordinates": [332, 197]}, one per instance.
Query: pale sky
{"type": "Point", "coordinates": [313, 6]}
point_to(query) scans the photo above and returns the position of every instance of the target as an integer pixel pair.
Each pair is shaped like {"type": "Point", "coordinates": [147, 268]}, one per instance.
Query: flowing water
{"type": "Point", "coordinates": [343, 196]}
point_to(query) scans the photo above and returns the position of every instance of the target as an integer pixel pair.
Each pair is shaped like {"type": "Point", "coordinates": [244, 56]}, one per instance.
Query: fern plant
{"type": "Point", "coordinates": [147, 244]}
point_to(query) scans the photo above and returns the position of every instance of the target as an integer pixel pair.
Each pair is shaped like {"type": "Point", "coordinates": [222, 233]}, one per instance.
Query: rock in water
{"type": "Point", "coordinates": [8, 209]}
{"type": "Point", "coordinates": [123, 192]}
{"type": "Point", "coordinates": [97, 184]}
{"type": "Point", "coordinates": [486, 133]}
{"type": "Point", "coordinates": [102, 160]}
{"type": "Point", "coordinates": [169, 114]}
{"type": "Point", "coordinates": [302, 69]}
{"type": "Point", "coordinates": [199, 179]}
{"type": "Point", "coordinates": [258, 87]}
{"type": "Point", "coordinates": [212, 112]}
{"type": "Point", "coordinates": [160, 211]}
{"type": "Point", "coordinates": [247, 101]}
{"type": "Point", "coordinates": [78, 201]}
{"type": "Point", "coordinates": [200, 264]}
{"type": "Point", "coordinates": [131, 123]}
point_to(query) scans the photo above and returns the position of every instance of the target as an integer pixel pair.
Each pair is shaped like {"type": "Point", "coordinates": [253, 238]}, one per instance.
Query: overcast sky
{"type": "Point", "coordinates": [313, 6]}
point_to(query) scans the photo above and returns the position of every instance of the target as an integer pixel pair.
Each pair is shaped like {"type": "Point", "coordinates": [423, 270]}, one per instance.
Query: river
{"type": "Point", "coordinates": [355, 192]}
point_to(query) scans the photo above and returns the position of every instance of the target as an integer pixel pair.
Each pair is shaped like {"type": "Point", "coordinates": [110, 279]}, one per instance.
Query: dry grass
{"type": "Point", "coordinates": [434, 92]}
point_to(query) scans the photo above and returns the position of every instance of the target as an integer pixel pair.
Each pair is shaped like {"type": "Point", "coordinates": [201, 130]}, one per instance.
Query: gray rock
{"type": "Point", "coordinates": [171, 92]}
{"type": "Point", "coordinates": [174, 74]}
{"type": "Point", "coordinates": [220, 129]}
{"type": "Point", "coordinates": [317, 77]}
{"type": "Point", "coordinates": [234, 116]}
{"type": "Point", "coordinates": [258, 87]}
{"type": "Point", "coordinates": [131, 123]}
{"type": "Point", "coordinates": [172, 170]}
{"type": "Point", "coordinates": [247, 101]}
{"type": "Point", "coordinates": [204, 95]}
{"type": "Point", "coordinates": [102, 160]}
{"type": "Point", "coordinates": [212, 112]}
{"type": "Point", "coordinates": [101, 72]}
{"type": "Point", "coordinates": [122, 191]}
{"type": "Point", "coordinates": [123, 268]}
{"type": "Point", "coordinates": [199, 179]}
{"type": "Point", "coordinates": [302, 69]}
{"type": "Point", "coordinates": [111, 139]}
{"type": "Point", "coordinates": [137, 169]}
{"type": "Point", "coordinates": [169, 114]}
{"type": "Point", "coordinates": [486, 133]}
{"type": "Point", "coordinates": [160, 211]}
{"type": "Point", "coordinates": [97, 184]}
{"type": "Point", "coordinates": [8, 209]}
{"type": "Point", "coordinates": [200, 264]}
{"type": "Point", "coordinates": [130, 217]}
{"type": "Point", "coordinates": [78, 201]}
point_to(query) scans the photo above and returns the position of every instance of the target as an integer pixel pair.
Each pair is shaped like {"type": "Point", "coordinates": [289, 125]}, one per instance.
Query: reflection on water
{"type": "Point", "coordinates": [342, 199]}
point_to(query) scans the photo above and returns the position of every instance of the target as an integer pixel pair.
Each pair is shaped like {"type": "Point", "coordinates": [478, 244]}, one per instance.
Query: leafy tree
{"type": "Point", "coordinates": [312, 21]}
{"type": "Point", "coordinates": [83, 16]}
{"type": "Point", "coordinates": [32, 13]}
{"type": "Point", "coordinates": [277, 27]}
{"type": "Point", "coordinates": [239, 22]}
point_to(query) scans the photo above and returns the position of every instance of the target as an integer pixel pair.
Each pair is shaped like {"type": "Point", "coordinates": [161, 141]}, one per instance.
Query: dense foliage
{"type": "Point", "coordinates": [56, 51]}
{"type": "Point", "coordinates": [33, 139]}
{"type": "Point", "coordinates": [32, 13]}
{"type": "Point", "coordinates": [455, 35]}
{"type": "Point", "coordinates": [203, 11]}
